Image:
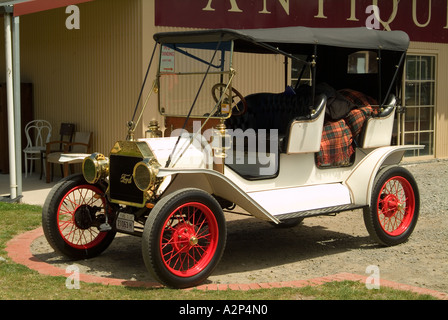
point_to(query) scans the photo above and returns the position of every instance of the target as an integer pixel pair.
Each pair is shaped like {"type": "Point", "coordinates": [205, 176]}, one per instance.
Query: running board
{"type": "Point", "coordinates": [318, 212]}
{"type": "Point", "coordinates": [314, 198]}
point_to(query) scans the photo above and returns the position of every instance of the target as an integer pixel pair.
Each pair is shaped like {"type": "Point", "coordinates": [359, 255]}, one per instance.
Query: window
{"type": "Point", "coordinates": [181, 73]}
{"type": "Point", "coordinates": [300, 69]}
{"type": "Point", "coordinates": [416, 126]}
{"type": "Point", "coordinates": [362, 62]}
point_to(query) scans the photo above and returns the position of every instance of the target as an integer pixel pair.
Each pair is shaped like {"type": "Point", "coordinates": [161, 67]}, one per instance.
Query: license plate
{"type": "Point", "coordinates": [125, 222]}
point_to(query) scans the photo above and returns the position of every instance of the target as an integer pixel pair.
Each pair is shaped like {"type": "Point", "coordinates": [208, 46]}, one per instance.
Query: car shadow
{"type": "Point", "coordinates": [252, 245]}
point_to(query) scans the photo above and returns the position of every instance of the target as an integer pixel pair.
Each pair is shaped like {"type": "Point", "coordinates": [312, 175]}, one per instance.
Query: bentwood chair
{"type": "Point", "coordinates": [38, 133]}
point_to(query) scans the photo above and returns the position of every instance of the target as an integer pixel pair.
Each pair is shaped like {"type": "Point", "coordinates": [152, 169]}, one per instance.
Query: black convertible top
{"type": "Point", "coordinates": [292, 39]}
{"type": "Point", "coordinates": [330, 48]}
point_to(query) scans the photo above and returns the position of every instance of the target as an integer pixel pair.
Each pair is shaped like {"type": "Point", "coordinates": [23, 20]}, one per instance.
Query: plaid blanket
{"type": "Point", "coordinates": [366, 107]}
{"type": "Point", "coordinates": [336, 146]}
{"type": "Point", "coordinates": [356, 119]}
{"type": "Point", "coordinates": [358, 98]}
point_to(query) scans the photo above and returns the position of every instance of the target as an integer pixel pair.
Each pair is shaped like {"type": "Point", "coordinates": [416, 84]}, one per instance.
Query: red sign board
{"type": "Point", "coordinates": [423, 20]}
{"type": "Point", "coordinates": [42, 5]}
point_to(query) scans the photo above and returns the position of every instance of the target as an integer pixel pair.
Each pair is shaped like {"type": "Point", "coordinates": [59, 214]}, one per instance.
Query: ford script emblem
{"type": "Point", "coordinates": [126, 178]}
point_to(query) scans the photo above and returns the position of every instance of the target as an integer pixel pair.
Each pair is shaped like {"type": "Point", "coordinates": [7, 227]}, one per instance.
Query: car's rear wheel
{"type": "Point", "coordinates": [394, 208]}
{"type": "Point", "coordinates": [184, 238]}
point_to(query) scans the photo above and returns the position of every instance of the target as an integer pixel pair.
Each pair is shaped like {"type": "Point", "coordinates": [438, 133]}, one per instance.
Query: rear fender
{"type": "Point", "coordinates": [361, 179]}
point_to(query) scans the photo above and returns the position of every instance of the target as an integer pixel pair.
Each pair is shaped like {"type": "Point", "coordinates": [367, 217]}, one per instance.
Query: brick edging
{"type": "Point", "coordinates": [19, 250]}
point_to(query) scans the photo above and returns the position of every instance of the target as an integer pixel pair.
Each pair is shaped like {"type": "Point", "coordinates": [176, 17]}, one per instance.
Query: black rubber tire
{"type": "Point", "coordinates": [60, 242]}
{"type": "Point", "coordinates": [412, 206]}
{"type": "Point", "coordinates": [160, 217]}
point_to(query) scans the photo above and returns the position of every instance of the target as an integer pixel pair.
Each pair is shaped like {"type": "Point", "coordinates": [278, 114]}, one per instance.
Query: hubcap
{"type": "Point", "coordinates": [83, 217]}
{"type": "Point", "coordinates": [193, 241]}
{"type": "Point", "coordinates": [390, 205]}
{"type": "Point", "coordinates": [184, 237]}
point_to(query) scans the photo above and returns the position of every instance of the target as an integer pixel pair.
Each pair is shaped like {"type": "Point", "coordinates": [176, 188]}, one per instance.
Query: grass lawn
{"type": "Point", "coordinates": [18, 282]}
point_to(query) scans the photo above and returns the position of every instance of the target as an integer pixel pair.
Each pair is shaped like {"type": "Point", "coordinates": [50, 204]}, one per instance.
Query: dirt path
{"type": "Point", "coordinates": [321, 246]}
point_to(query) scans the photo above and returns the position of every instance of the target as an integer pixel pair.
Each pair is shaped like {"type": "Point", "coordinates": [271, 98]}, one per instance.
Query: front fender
{"type": "Point", "coordinates": [361, 179]}
{"type": "Point", "coordinates": [214, 183]}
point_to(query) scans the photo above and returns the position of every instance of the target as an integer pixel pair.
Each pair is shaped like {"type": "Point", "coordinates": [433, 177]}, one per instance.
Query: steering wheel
{"type": "Point", "coordinates": [217, 92]}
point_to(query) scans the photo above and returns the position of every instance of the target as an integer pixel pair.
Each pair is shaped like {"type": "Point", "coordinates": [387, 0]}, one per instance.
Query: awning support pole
{"type": "Point", "coordinates": [17, 102]}
{"type": "Point", "coordinates": [10, 108]}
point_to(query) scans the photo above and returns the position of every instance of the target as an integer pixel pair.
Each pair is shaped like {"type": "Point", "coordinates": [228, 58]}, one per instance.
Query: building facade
{"type": "Point", "coordinates": [92, 75]}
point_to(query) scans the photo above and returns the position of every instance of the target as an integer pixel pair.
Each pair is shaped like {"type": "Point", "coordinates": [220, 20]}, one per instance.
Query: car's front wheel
{"type": "Point", "coordinates": [71, 218]}
{"type": "Point", "coordinates": [184, 238]}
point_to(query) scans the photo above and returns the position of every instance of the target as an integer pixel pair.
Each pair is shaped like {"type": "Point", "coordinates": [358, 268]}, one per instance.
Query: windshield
{"type": "Point", "coordinates": [187, 74]}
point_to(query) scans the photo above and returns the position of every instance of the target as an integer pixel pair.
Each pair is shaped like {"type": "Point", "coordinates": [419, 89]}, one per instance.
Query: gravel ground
{"type": "Point", "coordinates": [257, 252]}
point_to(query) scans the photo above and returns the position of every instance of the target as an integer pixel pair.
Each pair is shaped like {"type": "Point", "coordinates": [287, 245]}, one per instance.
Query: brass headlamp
{"type": "Point", "coordinates": [145, 173]}
{"type": "Point", "coordinates": [95, 167]}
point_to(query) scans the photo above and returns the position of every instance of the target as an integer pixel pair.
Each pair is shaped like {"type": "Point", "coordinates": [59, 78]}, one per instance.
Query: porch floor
{"type": "Point", "coordinates": [34, 190]}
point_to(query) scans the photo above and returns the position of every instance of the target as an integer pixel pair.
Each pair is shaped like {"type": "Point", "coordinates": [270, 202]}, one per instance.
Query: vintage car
{"type": "Point", "coordinates": [321, 146]}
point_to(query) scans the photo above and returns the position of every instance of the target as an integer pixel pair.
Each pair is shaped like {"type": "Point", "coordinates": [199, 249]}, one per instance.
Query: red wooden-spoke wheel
{"type": "Point", "coordinates": [189, 239]}
{"type": "Point", "coordinates": [184, 238]}
{"type": "Point", "coordinates": [72, 216]}
{"type": "Point", "coordinates": [394, 207]}
{"type": "Point", "coordinates": [77, 214]}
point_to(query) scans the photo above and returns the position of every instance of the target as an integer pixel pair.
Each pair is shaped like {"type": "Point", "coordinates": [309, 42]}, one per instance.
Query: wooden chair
{"type": "Point", "coordinates": [81, 145]}
{"type": "Point", "coordinates": [66, 132]}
